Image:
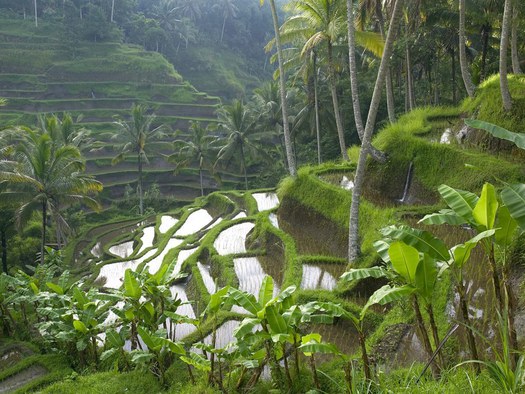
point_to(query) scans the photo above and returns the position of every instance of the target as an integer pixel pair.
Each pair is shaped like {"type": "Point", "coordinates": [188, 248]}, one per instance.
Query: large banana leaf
{"type": "Point", "coordinates": [484, 212]}
{"type": "Point", "coordinates": [513, 197]}
{"type": "Point", "coordinates": [444, 216]}
{"type": "Point", "coordinates": [362, 273]}
{"type": "Point", "coordinates": [405, 260]}
{"type": "Point", "coordinates": [275, 320]}
{"type": "Point", "coordinates": [266, 290]}
{"type": "Point", "coordinates": [245, 327]}
{"type": "Point", "coordinates": [460, 201]}
{"type": "Point", "coordinates": [381, 246]}
{"type": "Point", "coordinates": [498, 132]}
{"type": "Point", "coordinates": [461, 253]}
{"type": "Point", "coordinates": [245, 300]}
{"type": "Point", "coordinates": [216, 300]}
{"type": "Point", "coordinates": [197, 361]}
{"type": "Point", "coordinates": [385, 295]}
{"type": "Point", "coordinates": [506, 227]}
{"type": "Point", "coordinates": [423, 241]}
{"type": "Point", "coordinates": [426, 277]}
{"type": "Point", "coordinates": [313, 347]}
{"type": "Point", "coordinates": [131, 285]}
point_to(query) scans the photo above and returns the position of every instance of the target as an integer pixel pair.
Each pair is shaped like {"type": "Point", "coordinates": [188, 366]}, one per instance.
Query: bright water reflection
{"type": "Point", "coordinates": [233, 239]}
{"type": "Point", "coordinates": [147, 238]}
{"type": "Point", "coordinates": [206, 277]}
{"type": "Point", "coordinates": [316, 277]}
{"type": "Point", "coordinates": [195, 221]}
{"type": "Point", "coordinates": [266, 201]}
{"type": "Point", "coordinates": [166, 222]}
{"type": "Point", "coordinates": [122, 250]}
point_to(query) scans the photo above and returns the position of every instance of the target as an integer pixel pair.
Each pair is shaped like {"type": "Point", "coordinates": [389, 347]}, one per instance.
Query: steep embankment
{"type": "Point", "coordinates": [40, 72]}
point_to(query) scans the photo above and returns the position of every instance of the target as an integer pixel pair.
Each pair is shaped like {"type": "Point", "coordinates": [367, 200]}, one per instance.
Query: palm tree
{"type": "Point", "coordinates": [504, 44]}
{"type": "Point", "coordinates": [516, 69]}
{"type": "Point", "coordinates": [63, 130]}
{"type": "Point", "coordinates": [282, 90]}
{"type": "Point", "coordinates": [353, 234]}
{"type": "Point", "coordinates": [229, 10]}
{"type": "Point", "coordinates": [45, 176]}
{"type": "Point", "coordinates": [242, 138]}
{"type": "Point", "coordinates": [199, 147]}
{"type": "Point", "coordinates": [465, 73]}
{"type": "Point", "coordinates": [320, 21]}
{"type": "Point", "coordinates": [134, 136]}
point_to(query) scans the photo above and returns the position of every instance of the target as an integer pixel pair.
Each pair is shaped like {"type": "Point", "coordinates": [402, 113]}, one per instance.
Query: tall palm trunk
{"type": "Point", "coordinates": [43, 240]}
{"type": "Point", "coordinates": [112, 10]}
{"type": "Point", "coordinates": [282, 90]}
{"type": "Point", "coordinates": [36, 13]}
{"type": "Point", "coordinates": [504, 44]}
{"type": "Point", "coordinates": [410, 82]}
{"type": "Point", "coordinates": [223, 26]}
{"type": "Point", "coordinates": [485, 31]}
{"type": "Point", "coordinates": [390, 103]}
{"type": "Point", "coordinates": [356, 105]}
{"type": "Point", "coordinates": [465, 73]}
{"type": "Point", "coordinates": [243, 161]}
{"type": "Point", "coordinates": [200, 178]}
{"type": "Point", "coordinates": [353, 235]}
{"type": "Point", "coordinates": [4, 250]}
{"type": "Point", "coordinates": [139, 186]}
{"type": "Point", "coordinates": [316, 105]}
{"type": "Point", "coordinates": [516, 69]}
{"type": "Point", "coordinates": [335, 102]}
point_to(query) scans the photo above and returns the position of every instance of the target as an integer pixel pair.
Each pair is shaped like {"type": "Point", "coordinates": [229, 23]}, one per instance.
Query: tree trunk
{"type": "Point", "coordinates": [36, 14]}
{"type": "Point", "coordinates": [223, 26]}
{"type": "Point", "coordinates": [364, 356]}
{"type": "Point", "coordinates": [376, 154]}
{"type": "Point", "coordinates": [4, 251]}
{"type": "Point", "coordinates": [410, 87]}
{"type": "Point", "coordinates": [243, 161]}
{"type": "Point", "coordinates": [504, 83]}
{"type": "Point", "coordinates": [112, 10]}
{"type": "Point", "coordinates": [353, 235]}
{"type": "Point", "coordinates": [282, 90]}
{"type": "Point", "coordinates": [466, 321]}
{"type": "Point", "coordinates": [316, 107]}
{"type": "Point", "coordinates": [139, 186]}
{"type": "Point", "coordinates": [465, 73]}
{"type": "Point", "coordinates": [335, 103]}
{"type": "Point", "coordinates": [424, 336]}
{"type": "Point", "coordinates": [485, 31]}
{"type": "Point", "coordinates": [516, 69]}
{"type": "Point", "coordinates": [453, 65]}
{"type": "Point", "coordinates": [43, 241]}
{"type": "Point", "coordinates": [200, 179]}
{"type": "Point", "coordinates": [435, 333]}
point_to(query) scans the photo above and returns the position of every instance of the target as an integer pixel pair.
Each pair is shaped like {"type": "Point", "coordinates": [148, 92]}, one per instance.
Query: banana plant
{"type": "Point", "coordinates": [486, 213]}
{"type": "Point", "coordinates": [266, 312]}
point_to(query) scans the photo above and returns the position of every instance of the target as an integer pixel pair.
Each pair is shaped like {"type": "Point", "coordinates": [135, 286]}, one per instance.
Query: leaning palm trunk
{"type": "Point", "coordinates": [465, 73]}
{"type": "Point", "coordinates": [516, 69]}
{"type": "Point", "coordinates": [353, 235]}
{"type": "Point", "coordinates": [377, 155]}
{"type": "Point", "coordinates": [335, 102]}
{"type": "Point", "coordinates": [282, 90]}
{"type": "Point", "coordinates": [139, 186]}
{"type": "Point", "coordinates": [43, 240]}
{"type": "Point", "coordinates": [316, 105]}
{"type": "Point", "coordinates": [504, 44]}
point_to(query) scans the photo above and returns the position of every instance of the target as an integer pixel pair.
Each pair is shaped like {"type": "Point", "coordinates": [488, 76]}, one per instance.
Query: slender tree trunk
{"type": "Point", "coordinates": [364, 356]}
{"type": "Point", "coordinates": [139, 186]}
{"type": "Point", "coordinates": [223, 26]}
{"type": "Point", "coordinates": [335, 102]}
{"type": "Point", "coordinates": [112, 10]}
{"type": "Point", "coordinates": [200, 179]}
{"type": "Point", "coordinates": [316, 105]}
{"type": "Point", "coordinates": [504, 44]}
{"type": "Point", "coordinates": [410, 87]}
{"type": "Point", "coordinates": [4, 251]}
{"type": "Point", "coordinates": [354, 86]}
{"type": "Point", "coordinates": [466, 321]}
{"type": "Point", "coordinates": [36, 13]}
{"type": "Point", "coordinates": [43, 243]}
{"type": "Point", "coordinates": [243, 161]}
{"type": "Point", "coordinates": [516, 69]}
{"type": "Point", "coordinates": [435, 333]}
{"type": "Point", "coordinates": [485, 31]}
{"type": "Point", "coordinates": [465, 73]}
{"type": "Point", "coordinates": [353, 233]}
{"type": "Point", "coordinates": [282, 90]}
{"type": "Point", "coordinates": [453, 65]}
{"type": "Point", "coordinates": [511, 313]}
{"type": "Point", "coordinates": [424, 337]}
{"type": "Point", "coordinates": [314, 372]}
